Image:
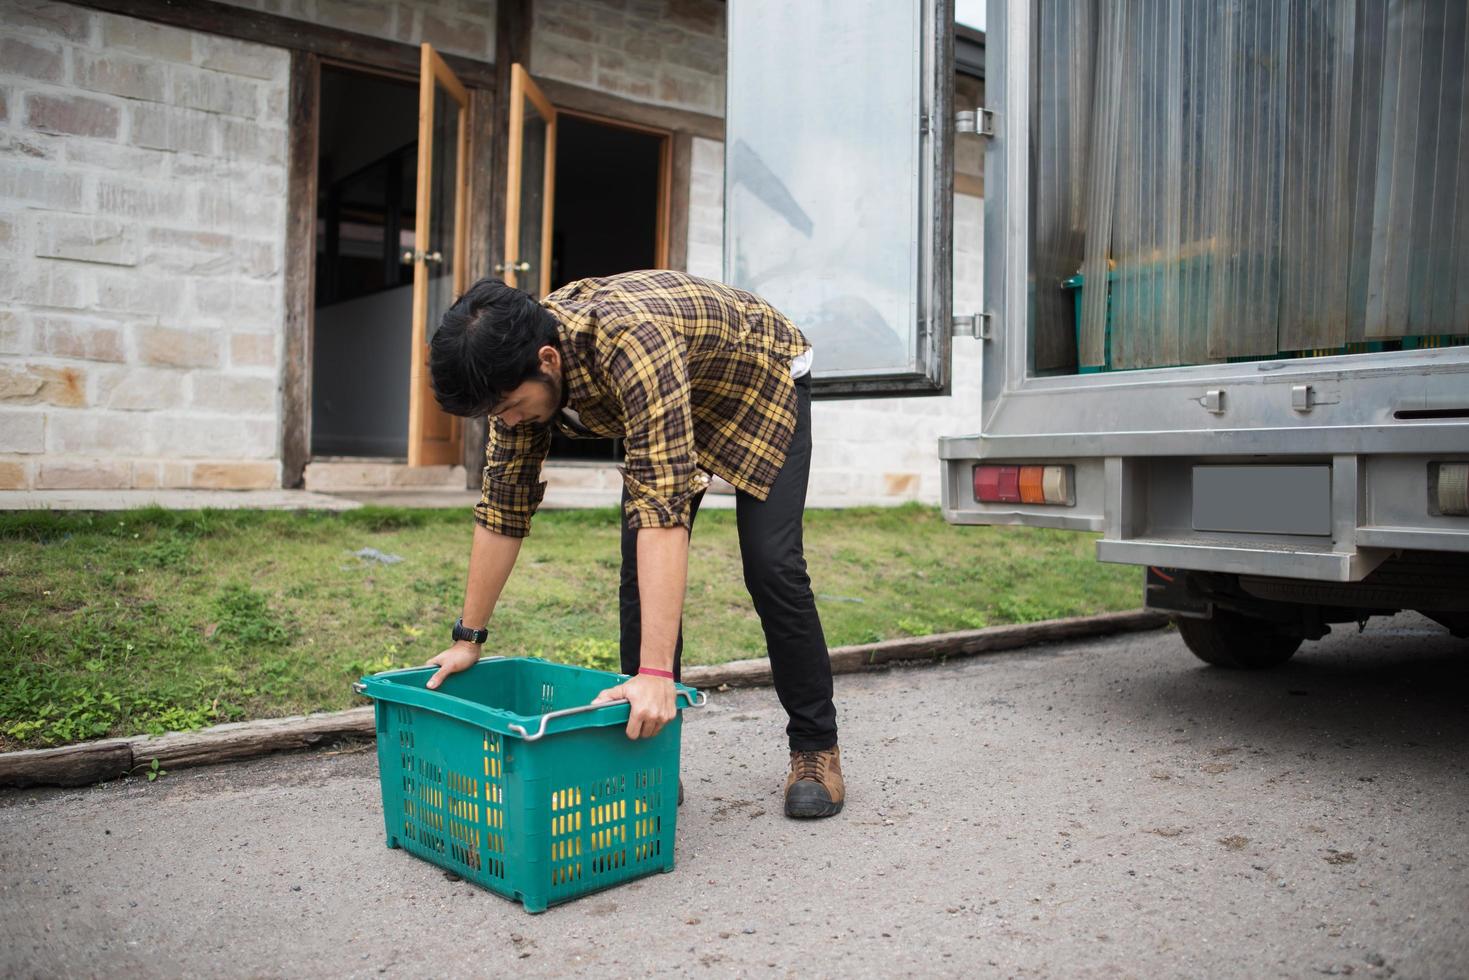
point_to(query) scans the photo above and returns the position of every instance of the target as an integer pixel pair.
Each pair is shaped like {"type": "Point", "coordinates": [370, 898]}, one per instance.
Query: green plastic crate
{"type": "Point", "coordinates": [508, 778]}
{"type": "Point", "coordinates": [1422, 343]}
{"type": "Point", "coordinates": [1076, 283]}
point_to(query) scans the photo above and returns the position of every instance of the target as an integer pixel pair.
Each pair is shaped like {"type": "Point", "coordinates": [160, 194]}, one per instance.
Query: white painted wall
{"type": "Point", "coordinates": [706, 210]}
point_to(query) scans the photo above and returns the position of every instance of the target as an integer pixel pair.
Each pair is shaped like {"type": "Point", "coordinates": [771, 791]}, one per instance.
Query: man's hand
{"type": "Point", "coordinates": [653, 700]}
{"type": "Point", "coordinates": [460, 656]}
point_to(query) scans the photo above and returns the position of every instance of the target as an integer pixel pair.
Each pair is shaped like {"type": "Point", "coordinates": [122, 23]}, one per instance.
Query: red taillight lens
{"type": "Point", "coordinates": [997, 484]}
{"type": "Point", "coordinates": [1023, 484]}
{"type": "Point", "coordinates": [987, 484]}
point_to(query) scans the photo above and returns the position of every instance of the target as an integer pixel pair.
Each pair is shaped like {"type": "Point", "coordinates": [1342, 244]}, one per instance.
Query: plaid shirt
{"type": "Point", "coordinates": [691, 374]}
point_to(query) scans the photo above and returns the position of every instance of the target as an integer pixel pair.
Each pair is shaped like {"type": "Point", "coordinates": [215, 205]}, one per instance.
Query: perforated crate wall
{"type": "Point", "coordinates": [539, 821]}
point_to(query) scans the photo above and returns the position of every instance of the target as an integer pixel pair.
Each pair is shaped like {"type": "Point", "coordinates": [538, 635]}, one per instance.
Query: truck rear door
{"type": "Point", "coordinates": [839, 182]}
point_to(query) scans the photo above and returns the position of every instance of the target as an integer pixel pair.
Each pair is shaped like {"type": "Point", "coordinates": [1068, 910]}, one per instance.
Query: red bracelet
{"type": "Point", "coordinates": [655, 672]}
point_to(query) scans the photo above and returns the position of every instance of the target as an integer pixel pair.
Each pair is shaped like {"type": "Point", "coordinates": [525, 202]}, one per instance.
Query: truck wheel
{"type": "Point", "coordinates": [1240, 642]}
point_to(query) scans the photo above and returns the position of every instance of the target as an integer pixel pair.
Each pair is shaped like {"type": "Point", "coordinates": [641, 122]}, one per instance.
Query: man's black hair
{"type": "Point", "coordinates": [486, 347]}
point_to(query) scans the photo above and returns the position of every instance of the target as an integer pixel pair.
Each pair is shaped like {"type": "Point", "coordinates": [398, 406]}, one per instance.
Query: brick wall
{"type": "Point", "coordinates": [142, 219]}
{"type": "Point", "coordinates": [465, 27]}
{"type": "Point", "coordinates": [668, 52]}
{"type": "Point", "coordinates": [881, 450]}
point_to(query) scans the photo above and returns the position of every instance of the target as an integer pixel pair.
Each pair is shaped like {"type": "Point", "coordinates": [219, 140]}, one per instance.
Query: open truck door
{"type": "Point", "coordinates": [839, 183]}
{"type": "Point", "coordinates": [1226, 319]}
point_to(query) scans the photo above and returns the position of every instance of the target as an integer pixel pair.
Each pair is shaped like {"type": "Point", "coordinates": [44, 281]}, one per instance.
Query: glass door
{"type": "Point", "coordinates": [532, 178]}
{"type": "Point", "coordinates": [439, 255]}
{"type": "Point", "coordinates": [838, 199]}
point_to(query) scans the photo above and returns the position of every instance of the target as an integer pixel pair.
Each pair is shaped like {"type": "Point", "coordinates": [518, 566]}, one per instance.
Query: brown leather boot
{"type": "Point", "coordinates": [815, 787]}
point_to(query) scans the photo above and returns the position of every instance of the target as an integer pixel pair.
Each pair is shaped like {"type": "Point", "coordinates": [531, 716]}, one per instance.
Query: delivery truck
{"type": "Point", "coordinates": [1226, 279]}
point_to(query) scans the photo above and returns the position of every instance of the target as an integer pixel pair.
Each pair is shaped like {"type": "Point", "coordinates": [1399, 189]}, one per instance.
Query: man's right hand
{"type": "Point", "coordinates": [460, 656]}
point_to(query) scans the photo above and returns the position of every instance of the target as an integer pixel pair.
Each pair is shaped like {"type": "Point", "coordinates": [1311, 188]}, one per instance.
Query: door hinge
{"type": "Point", "coordinates": [979, 120]}
{"type": "Point", "coordinates": [976, 325]}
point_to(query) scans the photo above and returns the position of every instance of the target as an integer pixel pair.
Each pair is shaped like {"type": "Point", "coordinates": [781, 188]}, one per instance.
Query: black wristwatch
{"type": "Point", "coordinates": [462, 632]}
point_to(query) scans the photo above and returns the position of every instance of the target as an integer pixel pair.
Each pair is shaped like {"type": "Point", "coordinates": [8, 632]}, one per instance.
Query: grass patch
{"type": "Point", "coordinates": [151, 620]}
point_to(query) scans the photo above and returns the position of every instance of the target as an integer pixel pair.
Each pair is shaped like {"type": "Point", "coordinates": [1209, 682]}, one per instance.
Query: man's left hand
{"type": "Point", "coordinates": [653, 701]}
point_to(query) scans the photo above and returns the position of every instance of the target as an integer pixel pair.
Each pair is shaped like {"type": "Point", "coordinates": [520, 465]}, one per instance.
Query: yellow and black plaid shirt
{"type": "Point", "coordinates": [691, 374]}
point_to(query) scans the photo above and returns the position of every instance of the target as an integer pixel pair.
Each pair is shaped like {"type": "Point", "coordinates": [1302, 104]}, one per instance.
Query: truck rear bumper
{"type": "Point", "coordinates": [1245, 558]}
{"type": "Point", "coordinates": [1153, 511]}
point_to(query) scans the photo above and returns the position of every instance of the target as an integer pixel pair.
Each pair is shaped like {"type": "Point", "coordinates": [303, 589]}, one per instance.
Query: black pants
{"type": "Point", "coordinates": [775, 574]}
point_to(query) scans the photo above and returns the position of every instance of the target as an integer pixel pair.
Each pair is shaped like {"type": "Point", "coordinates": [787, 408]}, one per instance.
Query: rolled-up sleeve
{"type": "Point", "coordinates": [512, 488]}
{"type": "Point", "coordinates": [646, 365]}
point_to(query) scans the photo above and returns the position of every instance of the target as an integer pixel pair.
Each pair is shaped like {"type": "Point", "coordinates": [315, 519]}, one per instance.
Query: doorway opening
{"type": "Point", "coordinates": [610, 216]}
{"type": "Point", "coordinates": [367, 174]}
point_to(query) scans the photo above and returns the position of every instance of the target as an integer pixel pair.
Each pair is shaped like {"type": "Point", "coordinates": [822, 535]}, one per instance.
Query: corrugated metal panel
{"type": "Point", "coordinates": [1262, 176]}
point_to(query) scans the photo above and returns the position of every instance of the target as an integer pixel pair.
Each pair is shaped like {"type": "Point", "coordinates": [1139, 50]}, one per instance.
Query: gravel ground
{"type": "Point", "coordinates": [1100, 808]}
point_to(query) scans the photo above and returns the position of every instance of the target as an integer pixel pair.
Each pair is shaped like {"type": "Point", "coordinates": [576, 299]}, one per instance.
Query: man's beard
{"type": "Point", "coordinates": [557, 389]}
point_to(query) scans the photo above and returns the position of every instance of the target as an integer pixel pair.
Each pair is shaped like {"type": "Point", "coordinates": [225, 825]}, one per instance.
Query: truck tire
{"type": "Point", "coordinates": [1235, 641]}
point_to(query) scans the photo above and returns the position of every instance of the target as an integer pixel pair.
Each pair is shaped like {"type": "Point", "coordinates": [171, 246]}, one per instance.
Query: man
{"type": "Point", "coordinates": [696, 378]}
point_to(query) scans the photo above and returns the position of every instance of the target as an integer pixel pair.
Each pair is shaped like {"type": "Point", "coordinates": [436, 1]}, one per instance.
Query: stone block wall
{"type": "Point", "coordinates": [464, 27]}
{"type": "Point", "coordinates": [667, 52]}
{"type": "Point", "coordinates": [142, 226]}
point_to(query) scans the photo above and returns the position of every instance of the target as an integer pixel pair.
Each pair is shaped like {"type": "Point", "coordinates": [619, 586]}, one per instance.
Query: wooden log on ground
{"type": "Point", "coordinates": [248, 739]}
{"type": "Point", "coordinates": [70, 765]}
{"type": "Point", "coordinates": [870, 656]}
{"type": "Point", "coordinates": [90, 762]}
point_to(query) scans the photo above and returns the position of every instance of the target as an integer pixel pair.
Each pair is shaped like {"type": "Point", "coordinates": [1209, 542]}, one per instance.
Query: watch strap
{"type": "Point", "coordinates": [462, 632]}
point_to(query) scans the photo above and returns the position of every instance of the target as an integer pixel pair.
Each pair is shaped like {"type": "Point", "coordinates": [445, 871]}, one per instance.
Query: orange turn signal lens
{"type": "Point", "coordinates": [1032, 485]}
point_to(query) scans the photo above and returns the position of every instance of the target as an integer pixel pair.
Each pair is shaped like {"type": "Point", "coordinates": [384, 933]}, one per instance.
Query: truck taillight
{"type": "Point", "coordinates": [1448, 486]}
{"type": "Point", "coordinates": [1023, 485]}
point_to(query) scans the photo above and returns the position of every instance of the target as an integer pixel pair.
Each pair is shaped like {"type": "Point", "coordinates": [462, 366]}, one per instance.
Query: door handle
{"type": "Point", "coordinates": [512, 267]}
{"type": "Point", "coordinates": [410, 256]}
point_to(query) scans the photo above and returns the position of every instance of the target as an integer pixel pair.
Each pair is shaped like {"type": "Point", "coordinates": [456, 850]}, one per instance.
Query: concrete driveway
{"type": "Point", "coordinates": [1093, 809]}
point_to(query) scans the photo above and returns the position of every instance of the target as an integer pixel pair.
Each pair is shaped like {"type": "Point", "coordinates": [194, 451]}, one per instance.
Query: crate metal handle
{"type": "Point", "coordinates": [703, 699]}
{"type": "Point", "coordinates": [361, 688]}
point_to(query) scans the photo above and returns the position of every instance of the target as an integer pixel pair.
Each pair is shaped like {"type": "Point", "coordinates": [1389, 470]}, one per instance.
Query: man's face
{"type": "Point", "coordinates": [536, 400]}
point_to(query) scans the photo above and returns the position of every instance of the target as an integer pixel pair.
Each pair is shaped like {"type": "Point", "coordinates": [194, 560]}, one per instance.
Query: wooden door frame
{"type": "Point", "coordinates": [685, 126]}
{"type": "Point", "coordinates": [667, 138]}
{"type": "Point", "coordinates": [304, 121]}
{"type": "Point", "coordinates": [435, 74]}
{"type": "Point", "coordinates": [523, 87]}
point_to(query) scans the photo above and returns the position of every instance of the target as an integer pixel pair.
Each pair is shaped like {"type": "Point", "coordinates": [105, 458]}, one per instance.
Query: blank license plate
{"type": "Point", "coordinates": [1263, 499]}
